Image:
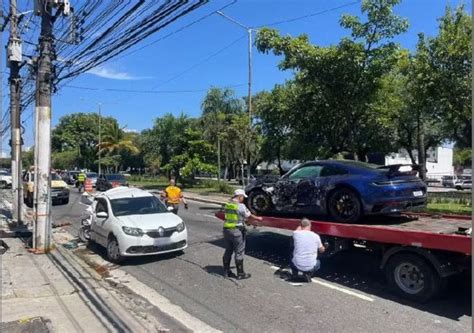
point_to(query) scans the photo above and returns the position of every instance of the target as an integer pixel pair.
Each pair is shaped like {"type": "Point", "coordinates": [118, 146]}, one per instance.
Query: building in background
{"type": "Point", "coordinates": [439, 161]}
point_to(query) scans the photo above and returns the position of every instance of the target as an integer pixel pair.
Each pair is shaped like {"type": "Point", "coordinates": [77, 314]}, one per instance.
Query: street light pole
{"type": "Point", "coordinates": [100, 136]}
{"type": "Point", "coordinates": [249, 97]}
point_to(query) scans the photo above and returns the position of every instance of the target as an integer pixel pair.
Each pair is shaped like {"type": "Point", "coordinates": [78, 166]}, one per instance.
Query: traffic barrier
{"type": "Point", "coordinates": [88, 185]}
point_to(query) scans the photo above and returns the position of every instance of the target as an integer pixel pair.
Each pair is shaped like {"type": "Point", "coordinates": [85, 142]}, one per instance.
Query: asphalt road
{"type": "Point", "coordinates": [350, 293]}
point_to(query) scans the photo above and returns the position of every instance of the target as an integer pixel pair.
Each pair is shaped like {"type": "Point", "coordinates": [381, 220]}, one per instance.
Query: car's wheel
{"type": "Point", "coordinates": [412, 277]}
{"type": "Point", "coordinates": [259, 202]}
{"type": "Point", "coordinates": [459, 188]}
{"type": "Point", "coordinates": [113, 251]}
{"type": "Point", "coordinates": [344, 205]}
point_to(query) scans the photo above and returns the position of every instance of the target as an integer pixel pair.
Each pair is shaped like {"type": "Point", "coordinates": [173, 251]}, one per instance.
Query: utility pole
{"type": "Point", "coordinates": [100, 136]}
{"type": "Point", "coordinates": [14, 60]}
{"type": "Point", "coordinates": [249, 97]}
{"type": "Point", "coordinates": [42, 237]}
{"type": "Point", "coordinates": [2, 27]}
{"type": "Point", "coordinates": [249, 166]}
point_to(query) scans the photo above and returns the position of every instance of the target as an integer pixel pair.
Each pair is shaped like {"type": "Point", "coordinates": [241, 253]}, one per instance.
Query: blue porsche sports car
{"type": "Point", "coordinates": [342, 189]}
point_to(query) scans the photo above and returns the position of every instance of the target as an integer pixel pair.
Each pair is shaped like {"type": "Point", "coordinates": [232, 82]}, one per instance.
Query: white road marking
{"type": "Point", "coordinates": [334, 287]}
{"type": "Point", "coordinates": [161, 302]}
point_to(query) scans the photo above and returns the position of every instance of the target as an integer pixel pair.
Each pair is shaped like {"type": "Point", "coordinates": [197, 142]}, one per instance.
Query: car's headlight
{"type": "Point", "coordinates": [133, 231]}
{"type": "Point", "coordinates": [180, 227]}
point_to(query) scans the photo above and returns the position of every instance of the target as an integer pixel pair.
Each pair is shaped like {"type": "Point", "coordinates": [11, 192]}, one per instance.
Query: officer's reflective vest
{"type": "Point", "coordinates": [81, 177]}
{"type": "Point", "coordinates": [231, 215]}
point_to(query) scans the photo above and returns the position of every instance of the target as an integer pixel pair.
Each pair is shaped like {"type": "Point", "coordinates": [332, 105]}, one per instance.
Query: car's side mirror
{"type": "Point", "coordinates": [170, 209]}
{"type": "Point", "coordinates": [102, 215]}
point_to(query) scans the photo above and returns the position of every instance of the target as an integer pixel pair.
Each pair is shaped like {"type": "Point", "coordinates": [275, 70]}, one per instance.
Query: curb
{"type": "Point", "coordinates": [216, 202]}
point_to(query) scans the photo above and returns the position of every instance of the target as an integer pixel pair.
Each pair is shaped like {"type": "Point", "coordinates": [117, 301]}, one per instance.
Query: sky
{"type": "Point", "coordinates": [213, 52]}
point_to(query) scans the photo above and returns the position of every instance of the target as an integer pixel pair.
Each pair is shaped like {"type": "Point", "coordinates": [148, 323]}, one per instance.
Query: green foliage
{"type": "Point", "coordinates": [337, 85]}
{"type": "Point", "coordinates": [462, 157]}
{"type": "Point", "coordinates": [79, 132]}
{"type": "Point", "coordinates": [64, 160]}
{"type": "Point", "coordinates": [28, 158]}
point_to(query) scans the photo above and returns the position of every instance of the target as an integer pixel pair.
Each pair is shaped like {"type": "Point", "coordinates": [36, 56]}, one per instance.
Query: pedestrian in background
{"type": "Point", "coordinates": [236, 217]}
{"type": "Point", "coordinates": [173, 196]}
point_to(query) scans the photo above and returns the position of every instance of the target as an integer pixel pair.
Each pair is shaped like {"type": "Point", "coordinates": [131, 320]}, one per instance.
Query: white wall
{"type": "Point", "coordinates": [439, 161]}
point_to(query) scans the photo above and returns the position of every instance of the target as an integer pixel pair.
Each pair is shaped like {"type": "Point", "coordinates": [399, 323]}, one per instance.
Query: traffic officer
{"type": "Point", "coordinates": [236, 216]}
{"type": "Point", "coordinates": [81, 178]}
{"type": "Point", "coordinates": [174, 196]}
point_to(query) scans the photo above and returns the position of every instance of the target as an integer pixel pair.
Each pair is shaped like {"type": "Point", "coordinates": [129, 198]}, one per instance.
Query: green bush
{"type": "Point", "coordinates": [224, 187]}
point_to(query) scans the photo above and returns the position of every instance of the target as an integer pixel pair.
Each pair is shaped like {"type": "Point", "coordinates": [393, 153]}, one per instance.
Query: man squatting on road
{"type": "Point", "coordinates": [236, 216]}
{"type": "Point", "coordinates": [306, 244]}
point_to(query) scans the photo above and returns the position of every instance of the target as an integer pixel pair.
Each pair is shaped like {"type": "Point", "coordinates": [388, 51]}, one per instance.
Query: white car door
{"type": "Point", "coordinates": [98, 228]}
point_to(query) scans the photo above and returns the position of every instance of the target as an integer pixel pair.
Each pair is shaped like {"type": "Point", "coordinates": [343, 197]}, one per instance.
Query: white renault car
{"type": "Point", "coordinates": [133, 222]}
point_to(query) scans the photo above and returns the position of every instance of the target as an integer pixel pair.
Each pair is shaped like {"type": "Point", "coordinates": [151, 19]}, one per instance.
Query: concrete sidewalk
{"type": "Point", "coordinates": [60, 292]}
{"type": "Point", "coordinates": [56, 292]}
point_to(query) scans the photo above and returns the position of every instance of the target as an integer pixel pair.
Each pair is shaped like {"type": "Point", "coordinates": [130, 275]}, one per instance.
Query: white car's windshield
{"type": "Point", "coordinates": [137, 206]}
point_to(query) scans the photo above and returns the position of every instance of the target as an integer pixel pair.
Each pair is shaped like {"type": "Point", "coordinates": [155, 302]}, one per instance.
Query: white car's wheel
{"type": "Point", "coordinates": [113, 251]}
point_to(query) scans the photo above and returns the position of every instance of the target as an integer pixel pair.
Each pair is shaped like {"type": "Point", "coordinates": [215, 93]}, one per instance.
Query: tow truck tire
{"type": "Point", "coordinates": [412, 277]}
{"type": "Point", "coordinates": [259, 202]}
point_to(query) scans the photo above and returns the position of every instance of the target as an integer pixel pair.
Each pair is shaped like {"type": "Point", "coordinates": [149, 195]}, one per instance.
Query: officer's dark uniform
{"type": "Point", "coordinates": [234, 238]}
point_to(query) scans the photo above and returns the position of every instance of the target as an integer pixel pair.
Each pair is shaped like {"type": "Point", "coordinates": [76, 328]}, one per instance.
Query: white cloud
{"type": "Point", "coordinates": [112, 74]}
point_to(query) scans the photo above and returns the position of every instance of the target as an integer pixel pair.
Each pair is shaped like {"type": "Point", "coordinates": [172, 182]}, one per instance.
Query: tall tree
{"type": "Point", "coordinates": [451, 56]}
{"type": "Point", "coordinates": [115, 141]}
{"type": "Point", "coordinates": [218, 108]}
{"type": "Point", "coordinates": [339, 83]}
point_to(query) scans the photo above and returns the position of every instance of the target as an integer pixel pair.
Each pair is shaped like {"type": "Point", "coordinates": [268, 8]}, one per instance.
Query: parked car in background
{"type": "Point", "coordinates": [463, 183]}
{"type": "Point", "coordinates": [6, 179]}
{"type": "Point", "coordinates": [59, 188]}
{"type": "Point", "coordinates": [70, 177]}
{"type": "Point", "coordinates": [448, 181]}
{"type": "Point", "coordinates": [345, 190]}
{"type": "Point", "coordinates": [133, 222]}
{"type": "Point", "coordinates": [106, 182]}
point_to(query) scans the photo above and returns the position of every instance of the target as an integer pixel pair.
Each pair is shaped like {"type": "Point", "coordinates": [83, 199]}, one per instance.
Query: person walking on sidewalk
{"type": "Point", "coordinates": [236, 216]}
{"type": "Point", "coordinates": [174, 196]}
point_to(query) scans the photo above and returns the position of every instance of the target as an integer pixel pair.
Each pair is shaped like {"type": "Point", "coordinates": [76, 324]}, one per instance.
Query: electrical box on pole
{"type": "Point", "coordinates": [14, 51]}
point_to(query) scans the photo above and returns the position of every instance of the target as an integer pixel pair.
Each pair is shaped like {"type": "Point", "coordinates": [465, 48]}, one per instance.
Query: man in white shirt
{"type": "Point", "coordinates": [307, 244]}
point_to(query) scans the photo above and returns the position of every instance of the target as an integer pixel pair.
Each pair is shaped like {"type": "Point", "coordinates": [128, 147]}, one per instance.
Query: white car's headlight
{"type": "Point", "coordinates": [180, 227]}
{"type": "Point", "coordinates": [133, 231]}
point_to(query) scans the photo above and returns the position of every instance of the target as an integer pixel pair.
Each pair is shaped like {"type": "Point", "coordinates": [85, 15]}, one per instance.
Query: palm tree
{"type": "Point", "coordinates": [115, 140]}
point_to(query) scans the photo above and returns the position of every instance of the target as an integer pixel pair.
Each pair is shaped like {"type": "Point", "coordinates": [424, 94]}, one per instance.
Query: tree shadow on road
{"type": "Point", "coordinates": [359, 269]}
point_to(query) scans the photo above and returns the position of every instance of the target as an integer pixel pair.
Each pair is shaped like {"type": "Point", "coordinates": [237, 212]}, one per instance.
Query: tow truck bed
{"type": "Point", "coordinates": [438, 233]}
{"type": "Point", "coordinates": [417, 251]}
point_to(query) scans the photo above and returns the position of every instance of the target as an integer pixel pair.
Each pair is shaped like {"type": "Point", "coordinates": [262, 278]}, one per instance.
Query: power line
{"type": "Point", "coordinates": [311, 15]}
{"type": "Point", "coordinates": [200, 62]}
{"type": "Point", "coordinates": [148, 91]}
{"type": "Point", "coordinates": [172, 32]}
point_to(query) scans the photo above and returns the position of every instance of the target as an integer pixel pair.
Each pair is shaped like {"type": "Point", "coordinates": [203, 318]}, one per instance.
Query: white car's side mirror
{"type": "Point", "coordinates": [170, 208]}
{"type": "Point", "coordinates": [87, 199]}
{"type": "Point", "coordinates": [102, 215]}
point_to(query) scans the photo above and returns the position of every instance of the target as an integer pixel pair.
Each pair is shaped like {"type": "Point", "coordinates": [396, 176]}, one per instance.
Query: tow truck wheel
{"type": "Point", "coordinates": [259, 202]}
{"type": "Point", "coordinates": [412, 277]}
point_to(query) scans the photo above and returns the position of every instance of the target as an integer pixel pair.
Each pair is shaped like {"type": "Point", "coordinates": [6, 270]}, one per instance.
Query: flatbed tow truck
{"type": "Point", "coordinates": [417, 252]}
